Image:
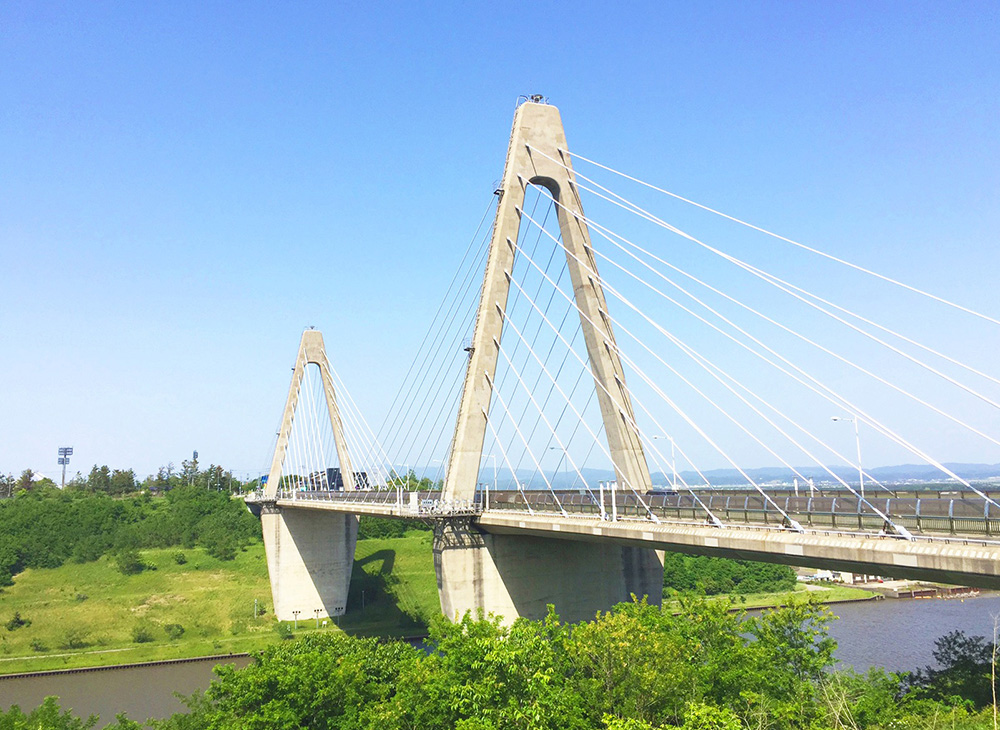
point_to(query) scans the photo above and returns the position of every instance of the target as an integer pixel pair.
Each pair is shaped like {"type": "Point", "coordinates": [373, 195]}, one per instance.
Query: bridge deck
{"type": "Point", "coordinates": [971, 559]}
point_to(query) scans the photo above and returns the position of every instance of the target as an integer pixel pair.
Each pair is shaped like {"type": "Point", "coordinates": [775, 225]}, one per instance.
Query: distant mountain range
{"type": "Point", "coordinates": [904, 473]}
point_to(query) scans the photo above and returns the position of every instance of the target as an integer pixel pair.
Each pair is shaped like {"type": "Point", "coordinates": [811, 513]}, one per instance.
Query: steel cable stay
{"type": "Point", "coordinates": [444, 345]}
{"type": "Point", "coordinates": [507, 315]}
{"type": "Point", "coordinates": [531, 338]}
{"type": "Point", "coordinates": [871, 421]}
{"type": "Point", "coordinates": [503, 451]}
{"type": "Point", "coordinates": [434, 346]}
{"type": "Point", "coordinates": [541, 414]}
{"type": "Point", "coordinates": [724, 333]}
{"type": "Point", "coordinates": [787, 288]}
{"type": "Point", "coordinates": [517, 430]}
{"type": "Point", "coordinates": [446, 359]}
{"type": "Point", "coordinates": [728, 335]}
{"type": "Point", "coordinates": [795, 525]}
{"type": "Point", "coordinates": [578, 415]}
{"type": "Point", "coordinates": [619, 407]}
{"type": "Point", "coordinates": [773, 280]}
{"type": "Point", "coordinates": [709, 367]}
{"type": "Point", "coordinates": [701, 361]}
{"type": "Point", "coordinates": [458, 312]}
{"type": "Point", "coordinates": [513, 301]}
{"type": "Point", "coordinates": [766, 232]}
{"type": "Point", "coordinates": [391, 410]}
{"type": "Point", "coordinates": [631, 422]}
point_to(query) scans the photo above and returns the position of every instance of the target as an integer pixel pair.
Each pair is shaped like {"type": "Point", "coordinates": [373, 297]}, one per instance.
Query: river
{"type": "Point", "coordinates": [895, 634]}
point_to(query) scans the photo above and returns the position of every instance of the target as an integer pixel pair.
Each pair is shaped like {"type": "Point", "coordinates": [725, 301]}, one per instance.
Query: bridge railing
{"type": "Point", "coordinates": [930, 515]}
{"type": "Point", "coordinates": [403, 504]}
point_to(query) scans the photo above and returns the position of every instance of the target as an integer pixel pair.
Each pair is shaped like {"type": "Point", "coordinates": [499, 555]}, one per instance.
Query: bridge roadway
{"type": "Point", "coordinates": [954, 541]}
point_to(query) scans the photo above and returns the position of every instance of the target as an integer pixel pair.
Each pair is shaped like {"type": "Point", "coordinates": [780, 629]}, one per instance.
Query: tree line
{"type": "Point", "coordinates": [46, 527]}
{"type": "Point", "coordinates": [117, 482]}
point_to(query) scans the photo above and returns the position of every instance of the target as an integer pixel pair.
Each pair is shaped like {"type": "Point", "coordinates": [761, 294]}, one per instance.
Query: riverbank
{"type": "Point", "coordinates": [188, 605]}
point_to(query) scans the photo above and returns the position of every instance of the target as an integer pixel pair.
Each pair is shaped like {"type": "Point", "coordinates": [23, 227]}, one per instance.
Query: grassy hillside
{"type": "Point", "coordinates": [91, 614]}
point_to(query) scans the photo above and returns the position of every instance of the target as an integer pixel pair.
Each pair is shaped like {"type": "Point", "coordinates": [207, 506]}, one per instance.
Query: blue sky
{"type": "Point", "coordinates": [185, 186]}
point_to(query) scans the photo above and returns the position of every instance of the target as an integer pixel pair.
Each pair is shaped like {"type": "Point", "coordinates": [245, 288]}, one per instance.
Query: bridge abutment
{"type": "Point", "coordinates": [512, 575]}
{"type": "Point", "coordinates": [309, 559]}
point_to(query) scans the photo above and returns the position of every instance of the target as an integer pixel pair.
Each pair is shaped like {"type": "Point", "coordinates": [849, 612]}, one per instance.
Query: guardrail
{"type": "Point", "coordinates": [921, 515]}
{"type": "Point", "coordinates": [400, 503]}
{"type": "Point", "coordinates": [925, 515]}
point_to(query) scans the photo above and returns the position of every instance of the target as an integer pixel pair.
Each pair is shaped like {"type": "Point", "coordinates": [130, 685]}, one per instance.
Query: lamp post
{"type": "Point", "coordinates": [564, 456]}
{"type": "Point", "coordinates": [296, 615]}
{"type": "Point", "coordinates": [673, 459]}
{"type": "Point", "coordinates": [486, 503]}
{"type": "Point", "coordinates": [857, 440]}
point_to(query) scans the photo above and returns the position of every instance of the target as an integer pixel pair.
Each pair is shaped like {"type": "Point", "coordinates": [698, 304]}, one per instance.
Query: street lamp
{"type": "Point", "coordinates": [487, 501]}
{"type": "Point", "coordinates": [296, 615]}
{"type": "Point", "coordinates": [564, 456]}
{"type": "Point", "coordinates": [857, 439]}
{"type": "Point", "coordinates": [673, 459]}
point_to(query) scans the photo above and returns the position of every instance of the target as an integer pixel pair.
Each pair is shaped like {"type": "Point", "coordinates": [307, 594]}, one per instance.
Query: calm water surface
{"type": "Point", "coordinates": [899, 634]}
{"type": "Point", "coordinates": [895, 634]}
{"type": "Point", "coordinates": [140, 692]}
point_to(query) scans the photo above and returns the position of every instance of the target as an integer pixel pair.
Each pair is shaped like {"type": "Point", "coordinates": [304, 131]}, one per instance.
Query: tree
{"type": "Point", "coordinates": [122, 481]}
{"type": "Point", "coordinates": [99, 479]}
{"type": "Point", "coordinates": [964, 670]}
{"type": "Point", "coordinates": [26, 481]}
{"type": "Point", "coordinates": [189, 471]}
{"type": "Point", "coordinates": [7, 485]}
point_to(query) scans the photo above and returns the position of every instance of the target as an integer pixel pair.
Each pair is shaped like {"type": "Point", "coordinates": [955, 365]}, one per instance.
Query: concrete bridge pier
{"type": "Point", "coordinates": [512, 576]}
{"type": "Point", "coordinates": [310, 554]}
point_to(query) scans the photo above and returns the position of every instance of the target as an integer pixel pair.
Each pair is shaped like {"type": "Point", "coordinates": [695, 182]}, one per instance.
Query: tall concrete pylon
{"type": "Point", "coordinates": [511, 575]}
{"type": "Point", "coordinates": [309, 554]}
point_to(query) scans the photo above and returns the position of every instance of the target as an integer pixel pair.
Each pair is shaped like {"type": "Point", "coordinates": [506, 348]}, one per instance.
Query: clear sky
{"type": "Point", "coordinates": [184, 186]}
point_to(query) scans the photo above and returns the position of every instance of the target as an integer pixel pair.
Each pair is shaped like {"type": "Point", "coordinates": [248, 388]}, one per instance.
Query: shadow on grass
{"type": "Point", "coordinates": [373, 608]}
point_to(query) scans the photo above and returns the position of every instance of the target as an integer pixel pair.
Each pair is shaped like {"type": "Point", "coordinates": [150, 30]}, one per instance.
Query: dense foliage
{"type": "Point", "coordinates": [714, 576]}
{"type": "Point", "coordinates": [44, 528]}
{"type": "Point", "coordinates": [633, 668]}
{"type": "Point", "coordinates": [382, 527]}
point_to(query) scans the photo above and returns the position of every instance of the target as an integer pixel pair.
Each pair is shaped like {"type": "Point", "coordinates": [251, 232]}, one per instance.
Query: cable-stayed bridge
{"type": "Point", "coordinates": [564, 347]}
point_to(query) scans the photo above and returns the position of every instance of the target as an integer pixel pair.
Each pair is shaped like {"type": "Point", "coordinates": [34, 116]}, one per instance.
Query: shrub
{"type": "Point", "coordinates": [129, 562]}
{"type": "Point", "coordinates": [82, 597]}
{"type": "Point", "coordinates": [17, 622]}
{"type": "Point", "coordinates": [38, 645]}
{"type": "Point", "coordinates": [174, 631]}
{"type": "Point", "coordinates": [142, 634]}
{"type": "Point", "coordinates": [284, 631]}
{"type": "Point", "coordinates": [74, 638]}
{"type": "Point", "coordinates": [180, 558]}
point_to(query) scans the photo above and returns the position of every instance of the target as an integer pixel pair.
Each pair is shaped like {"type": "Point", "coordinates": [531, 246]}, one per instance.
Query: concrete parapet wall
{"type": "Point", "coordinates": [970, 563]}
{"type": "Point", "coordinates": [310, 554]}
{"type": "Point", "coordinates": [515, 575]}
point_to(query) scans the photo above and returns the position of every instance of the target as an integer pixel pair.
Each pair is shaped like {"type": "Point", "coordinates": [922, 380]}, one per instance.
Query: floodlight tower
{"type": "Point", "coordinates": [64, 453]}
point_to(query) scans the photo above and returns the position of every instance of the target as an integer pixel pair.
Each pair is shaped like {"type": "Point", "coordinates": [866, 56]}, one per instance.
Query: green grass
{"type": "Point", "coordinates": [393, 587]}
{"type": "Point", "coordinates": [89, 614]}
{"type": "Point", "coordinates": [824, 594]}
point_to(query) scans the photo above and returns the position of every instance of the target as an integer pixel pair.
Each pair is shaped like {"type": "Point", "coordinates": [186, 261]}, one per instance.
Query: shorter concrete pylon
{"type": "Point", "coordinates": [310, 554]}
